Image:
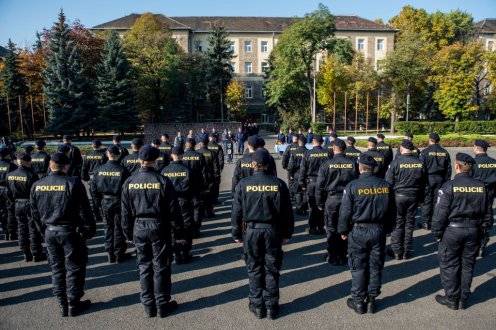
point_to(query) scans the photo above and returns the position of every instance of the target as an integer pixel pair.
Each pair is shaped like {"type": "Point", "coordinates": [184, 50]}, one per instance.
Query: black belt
{"type": "Point", "coordinates": [65, 229]}
{"type": "Point", "coordinates": [367, 224]}
{"type": "Point", "coordinates": [405, 194]}
{"type": "Point", "coordinates": [109, 196]}
{"type": "Point", "coordinates": [259, 225]}
{"type": "Point", "coordinates": [22, 200]}
{"type": "Point", "coordinates": [335, 195]}
{"type": "Point", "coordinates": [147, 219]}
{"type": "Point", "coordinates": [463, 225]}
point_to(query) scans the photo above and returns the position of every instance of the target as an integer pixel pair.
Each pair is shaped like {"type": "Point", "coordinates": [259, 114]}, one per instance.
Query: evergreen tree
{"type": "Point", "coordinates": [115, 90]}
{"type": "Point", "coordinates": [218, 65]}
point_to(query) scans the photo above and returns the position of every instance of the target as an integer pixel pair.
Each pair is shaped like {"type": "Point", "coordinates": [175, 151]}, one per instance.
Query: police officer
{"type": "Point", "coordinates": [186, 186]}
{"type": "Point", "coordinates": [415, 151]}
{"type": "Point", "coordinates": [60, 205]}
{"type": "Point", "coordinates": [166, 148]}
{"type": "Point", "coordinates": [485, 171]}
{"type": "Point", "coordinates": [161, 158]}
{"type": "Point", "coordinates": [438, 165]}
{"type": "Point", "coordinates": [240, 141]}
{"type": "Point", "coordinates": [202, 134]}
{"type": "Point", "coordinates": [74, 155]}
{"type": "Point", "coordinates": [151, 217]}
{"type": "Point", "coordinates": [261, 204]}
{"type": "Point", "coordinates": [229, 146]}
{"type": "Point", "coordinates": [215, 147]}
{"type": "Point", "coordinates": [352, 152]}
{"type": "Point", "coordinates": [385, 150]}
{"type": "Point", "coordinates": [407, 176]}
{"type": "Point", "coordinates": [330, 139]}
{"type": "Point", "coordinates": [93, 159]}
{"type": "Point", "coordinates": [366, 215]}
{"type": "Point", "coordinates": [307, 181]}
{"type": "Point", "coordinates": [116, 140]}
{"type": "Point", "coordinates": [334, 175]}
{"type": "Point", "coordinates": [213, 168]}
{"type": "Point", "coordinates": [287, 153]}
{"type": "Point", "coordinates": [281, 139]}
{"type": "Point", "coordinates": [179, 140]}
{"type": "Point", "coordinates": [28, 149]}
{"type": "Point", "coordinates": [40, 160]}
{"type": "Point", "coordinates": [244, 165]}
{"type": "Point", "coordinates": [7, 213]}
{"type": "Point", "coordinates": [296, 156]}
{"type": "Point", "coordinates": [132, 162]}
{"type": "Point", "coordinates": [19, 183]}
{"type": "Point", "coordinates": [310, 135]}
{"type": "Point", "coordinates": [463, 208]}
{"type": "Point", "coordinates": [378, 157]}
{"type": "Point", "coordinates": [272, 170]}
{"type": "Point", "coordinates": [105, 188]}
{"type": "Point", "coordinates": [289, 136]}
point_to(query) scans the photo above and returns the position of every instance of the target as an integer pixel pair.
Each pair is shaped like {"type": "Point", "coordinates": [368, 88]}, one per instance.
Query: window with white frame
{"type": "Point", "coordinates": [232, 46]}
{"type": "Point", "coordinates": [264, 47]}
{"type": "Point", "coordinates": [361, 44]}
{"type": "Point", "coordinates": [490, 45]}
{"type": "Point", "coordinates": [488, 88]}
{"type": "Point", "coordinates": [248, 67]}
{"type": "Point", "coordinates": [265, 66]}
{"type": "Point", "coordinates": [233, 67]}
{"type": "Point", "coordinates": [380, 44]}
{"type": "Point", "coordinates": [248, 91]}
{"type": "Point", "coordinates": [248, 47]}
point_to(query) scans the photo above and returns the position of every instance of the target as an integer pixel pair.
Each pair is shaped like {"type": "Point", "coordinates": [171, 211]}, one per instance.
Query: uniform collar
{"type": "Point", "coordinates": [339, 155]}
{"type": "Point", "coordinates": [316, 147]}
{"type": "Point", "coordinates": [462, 175]}
{"type": "Point", "coordinates": [58, 173]}
{"type": "Point", "coordinates": [147, 169]}
{"type": "Point", "coordinates": [407, 155]}
{"type": "Point", "coordinates": [114, 162]}
{"type": "Point", "coordinates": [482, 154]}
{"type": "Point", "coordinates": [176, 162]}
{"type": "Point", "coordinates": [373, 149]}
{"type": "Point", "coordinates": [366, 175]}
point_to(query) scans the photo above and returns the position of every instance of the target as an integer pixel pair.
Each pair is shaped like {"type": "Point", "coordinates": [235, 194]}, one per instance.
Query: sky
{"type": "Point", "coordinates": [20, 19]}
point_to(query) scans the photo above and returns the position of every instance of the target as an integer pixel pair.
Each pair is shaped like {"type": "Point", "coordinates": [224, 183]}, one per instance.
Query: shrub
{"type": "Point", "coordinates": [446, 127]}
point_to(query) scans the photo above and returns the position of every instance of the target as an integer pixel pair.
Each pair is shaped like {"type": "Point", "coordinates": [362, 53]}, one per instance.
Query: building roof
{"type": "Point", "coordinates": [487, 25]}
{"type": "Point", "coordinates": [3, 51]}
{"type": "Point", "coordinates": [243, 24]}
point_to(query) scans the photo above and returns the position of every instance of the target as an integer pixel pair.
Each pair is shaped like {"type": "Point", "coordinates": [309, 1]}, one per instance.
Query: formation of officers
{"type": "Point", "coordinates": [157, 195]}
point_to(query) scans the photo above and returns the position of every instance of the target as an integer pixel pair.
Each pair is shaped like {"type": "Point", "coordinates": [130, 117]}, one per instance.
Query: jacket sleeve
{"type": "Point", "coordinates": [286, 212]}
{"type": "Point", "coordinates": [237, 213]}
{"type": "Point", "coordinates": [390, 175]}
{"type": "Point", "coordinates": [302, 178]}
{"type": "Point", "coordinates": [176, 220]}
{"type": "Point", "coordinates": [440, 218]}
{"type": "Point", "coordinates": [346, 211]}
{"type": "Point", "coordinates": [488, 219]}
{"type": "Point", "coordinates": [127, 220]}
{"type": "Point", "coordinates": [272, 167]}
{"type": "Point", "coordinates": [236, 175]}
{"type": "Point", "coordinates": [320, 191]}
{"type": "Point", "coordinates": [97, 197]}
{"type": "Point", "coordinates": [85, 170]}
{"type": "Point", "coordinates": [448, 167]}
{"type": "Point", "coordinates": [217, 168]}
{"type": "Point", "coordinates": [35, 213]}
{"type": "Point", "coordinates": [285, 158]}
{"type": "Point", "coordinates": [390, 220]}
{"type": "Point", "coordinates": [220, 156]}
{"type": "Point", "coordinates": [84, 210]}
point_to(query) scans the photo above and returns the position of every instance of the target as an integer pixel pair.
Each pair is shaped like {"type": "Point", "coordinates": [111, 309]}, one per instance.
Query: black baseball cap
{"type": "Point", "coordinates": [97, 143]}
{"type": "Point", "coordinates": [63, 149]}
{"type": "Point", "coordinates": [434, 137]}
{"type": "Point", "coordinates": [60, 159]}
{"type": "Point", "coordinates": [318, 138]}
{"type": "Point", "coordinates": [339, 143]}
{"type": "Point", "coordinates": [117, 138]}
{"type": "Point", "coordinates": [40, 143]}
{"type": "Point", "coordinates": [261, 157]}
{"type": "Point", "coordinates": [351, 139]}
{"type": "Point", "coordinates": [381, 136]}
{"type": "Point", "coordinates": [137, 142]}
{"type": "Point", "coordinates": [253, 141]}
{"type": "Point", "coordinates": [177, 151]}
{"type": "Point", "coordinates": [114, 150]}
{"type": "Point", "coordinates": [149, 154]}
{"type": "Point", "coordinates": [372, 139]}
{"type": "Point", "coordinates": [367, 160]}
{"type": "Point", "coordinates": [481, 143]}
{"type": "Point", "coordinates": [24, 157]}
{"type": "Point", "coordinates": [407, 144]}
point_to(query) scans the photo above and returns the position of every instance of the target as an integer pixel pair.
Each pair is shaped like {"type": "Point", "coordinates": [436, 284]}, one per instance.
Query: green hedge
{"type": "Point", "coordinates": [320, 127]}
{"type": "Point", "coordinates": [449, 140]}
{"type": "Point", "coordinates": [444, 127]}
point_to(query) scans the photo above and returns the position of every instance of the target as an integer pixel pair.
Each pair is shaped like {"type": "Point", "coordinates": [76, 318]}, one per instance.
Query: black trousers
{"type": "Point", "coordinates": [7, 213]}
{"type": "Point", "coordinates": [115, 241]}
{"type": "Point", "coordinates": [215, 190]}
{"type": "Point", "coordinates": [30, 238]}
{"type": "Point", "coordinates": [485, 235]}
{"type": "Point", "coordinates": [183, 250]}
{"type": "Point", "coordinates": [241, 148]}
{"type": "Point", "coordinates": [209, 198]}
{"type": "Point", "coordinates": [67, 256]}
{"type": "Point", "coordinates": [402, 235]}
{"type": "Point", "coordinates": [263, 251]}
{"type": "Point", "coordinates": [316, 219]}
{"type": "Point", "coordinates": [431, 191]}
{"type": "Point", "coordinates": [154, 258]}
{"type": "Point", "coordinates": [198, 212]}
{"type": "Point", "coordinates": [301, 201]}
{"type": "Point", "coordinates": [457, 254]}
{"type": "Point", "coordinates": [94, 207]}
{"type": "Point", "coordinates": [366, 253]}
{"type": "Point", "coordinates": [336, 246]}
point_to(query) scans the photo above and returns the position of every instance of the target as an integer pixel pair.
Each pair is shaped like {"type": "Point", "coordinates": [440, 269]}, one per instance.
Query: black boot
{"type": "Point", "coordinates": [40, 257]}
{"type": "Point", "coordinates": [13, 237]}
{"type": "Point", "coordinates": [165, 310]}
{"type": "Point", "coordinates": [462, 304]}
{"type": "Point", "coordinates": [273, 312]}
{"type": "Point", "coordinates": [6, 236]}
{"type": "Point", "coordinates": [359, 308]}
{"type": "Point", "coordinates": [151, 310]}
{"type": "Point", "coordinates": [407, 255]}
{"type": "Point", "coordinates": [28, 256]}
{"type": "Point", "coordinates": [77, 308]}
{"type": "Point", "coordinates": [111, 258]}
{"type": "Point", "coordinates": [447, 302]}
{"type": "Point", "coordinates": [63, 306]}
{"type": "Point", "coordinates": [258, 312]}
{"type": "Point", "coordinates": [371, 306]}
{"type": "Point", "coordinates": [393, 255]}
{"type": "Point", "coordinates": [123, 257]}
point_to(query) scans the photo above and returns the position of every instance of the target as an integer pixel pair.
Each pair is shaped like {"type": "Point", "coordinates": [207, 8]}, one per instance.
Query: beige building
{"type": "Point", "coordinates": [253, 38]}
{"type": "Point", "coordinates": [487, 34]}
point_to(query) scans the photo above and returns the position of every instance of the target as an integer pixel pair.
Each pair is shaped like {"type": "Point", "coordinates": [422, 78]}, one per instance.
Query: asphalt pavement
{"type": "Point", "coordinates": [212, 290]}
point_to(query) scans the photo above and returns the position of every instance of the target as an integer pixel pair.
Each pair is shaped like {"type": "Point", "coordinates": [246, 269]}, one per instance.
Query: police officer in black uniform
{"type": "Point", "coordinates": [296, 156]}
{"type": "Point", "coordinates": [93, 159]}
{"type": "Point", "coordinates": [378, 157]}
{"type": "Point", "coordinates": [415, 151]}
{"type": "Point", "coordinates": [7, 213]}
{"type": "Point", "coordinates": [106, 186]}
{"type": "Point", "coordinates": [151, 217]}
{"type": "Point", "coordinates": [485, 171]}
{"type": "Point", "coordinates": [186, 186]}
{"type": "Point", "coordinates": [307, 181]}
{"type": "Point", "coordinates": [352, 152]}
{"type": "Point", "coordinates": [334, 175]}
{"type": "Point", "coordinates": [462, 210]}
{"type": "Point", "coordinates": [366, 215]}
{"type": "Point", "coordinates": [60, 206]}
{"type": "Point", "coordinates": [161, 160]}
{"type": "Point", "coordinates": [438, 165]}
{"type": "Point", "coordinates": [19, 183]}
{"type": "Point", "coordinates": [385, 150]}
{"type": "Point", "coordinates": [28, 149]}
{"type": "Point", "coordinates": [131, 161]}
{"type": "Point", "coordinates": [116, 140]}
{"type": "Point", "coordinates": [213, 168]}
{"type": "Point", "coordinates": [262, 206]}
{"type": "Point", "coordinates": [407, 175]}
{"type": "Point", "coordinates": [332, 137]}
{"type": "Point", "coordinates": [244, 165]}
{"type": "Point", "coordinates": [74, 155]}
{"type": "Point", "coordinates": [166, 148]}
{"type": "Point", "coordinates": [287, 153]}
{"type": "Point", "coordinates": [40, 160]}
{"type": "Point", "coordinates": [272, 170]}
{"type": "Point", "coordinates": [215, 147]}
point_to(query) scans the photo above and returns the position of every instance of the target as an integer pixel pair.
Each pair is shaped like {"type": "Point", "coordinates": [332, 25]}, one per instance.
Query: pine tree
{"type": "Point", "coordinates": [115, 90]}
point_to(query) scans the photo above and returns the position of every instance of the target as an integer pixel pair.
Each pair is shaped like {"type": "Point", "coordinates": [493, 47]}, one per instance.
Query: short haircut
{"type": "Point", "coordinates": [464, 167]}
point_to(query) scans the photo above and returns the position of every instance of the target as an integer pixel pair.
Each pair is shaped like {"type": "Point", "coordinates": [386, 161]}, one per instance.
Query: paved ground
{"type": "Point", "coordinates": [212, 290]}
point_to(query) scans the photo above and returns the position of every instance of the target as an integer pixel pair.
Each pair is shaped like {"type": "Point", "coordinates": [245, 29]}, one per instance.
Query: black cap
{"type": "Point", "coordinates": [434, 137]}
{"type": "Point", "coordinates": [165, 135]}
{"type": "Point", "coordinates": [339, 143]}
{"type": "Point", "coordinates": [462, 157]}
{"type": "Point", "coordinates": [261, 157]}
{"type": "Point", "coordinates": [24, 157]}
{"type": "Point", "coordinates": [156, 142]}
{"type": "Point", "coordinates": [381, 136]}
{"type": "Point", "coordinates": [28, 148]}
{"type": "Point", "coordinates": [203, 139]}
{"type": "Point", "coordinates": [114, 150]}
{"type": "Point", "coordinates": [261, 142]}
{"type": "Point", "coordinates": [117, 138]}
{"type": "Point", "coordinates": [334, 135]}
{"type": "Point", "coordinates": [351, 139]}
{"type": "Point", "coordinates": [253, 141]}
{"type": "Point", "coordinates": [367, 160]}
{"type": "Point", "coordinates": [409, 135]}
{"type": "Point", "coordinates": [302, 139]}
{"type": "Point", "coordinates": [212, 135]}
{"type": "Point", "coordinates": [40, 143]}
{"type": "Point", "coordinates": [4, 152]}
{"type": "Point", "coordinates": [60, 159]}
{"type": "Point", "coordinates": [177, 151]}
{"type": "Point", "coordinates": [63, 149]}
{"type": "Point", "coordinates": [481, 143]}
{"type": "Point", "coordinates": [318, 138]}
{"type": "Point", "coordinates": [149, 154]}
{"type": "Point", "coordinates": [191, 141]}
{"type": "Point", "coordinates": [67, 137]}
{"type": "Point", "coordinates": [97, 143]}
{"type": "Point", "coordinates": [137, 142]}
{"type": "Point", "coordinates": [407, 144]}
{"type": "Point", "coordinates": [372, 139]}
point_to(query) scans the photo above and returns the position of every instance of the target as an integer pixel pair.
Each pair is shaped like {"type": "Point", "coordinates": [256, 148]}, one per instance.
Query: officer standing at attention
{"type": "Point", "coordinates": [94, 158]}
{"type": "Point", "coordinates": [74, 155]}
{"type": "Point", "coordinates": [378, 157]}
{"type": "Point", "coordinates": [334, 175]}
{"type": "Point", "coordinates": [485, 171]}
{"type": "Point", "coordinates": [262, 206]}
{"type": "Point", "coordinates": [166, 148]}
{"type": "Point", "coordinates": [151, 218]}
{"type": "Point", "coordinates": [438, 165]}
{"type": "Point", "coordinates": [40, 160]}
{"type": "Point", "coordinates": [244, 165]}
{"type": "Point", "coordinates": [186, 186]}
{"type": "Point", "coordinates": [105, 188]}
{"type": "Point", "coordinates": [366, 215]}
{"type": "Point", "coordinates": [215, 147]}
{"type": "Point", "coordinates": [132, 162]}
{"type": "Point", "coordinates": [296, 156]}
{"type": "Point", "coordinates": [59, 205]}
{"type": "Point", "coordinates": [307, 181]}
{"type": "Point", "coordinates": [407, 176]}
{"type": "Point", "coordinates": [352, 152]}
{"type": "Point", "coordinates": [385, 150]}
{"type": "Point", "coordinates": [213, 168]}
{"type": "Point", "coordinates": [287, 153]}
{"type": "Point", "coordinates": [415, 151]}
{"type": "Point", "coordinates": [116, 140]}
{"type": "Point", "coordinates": [19, 183]}
{"type": "Point", "coordinates": [7, 213]}
{"type": "Point", "coordinates": [463, 208]}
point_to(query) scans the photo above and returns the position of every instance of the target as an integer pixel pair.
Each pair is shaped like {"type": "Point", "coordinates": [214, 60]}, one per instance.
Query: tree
{"type": "Point", "coordinates": [334, 77]}
{"type": "Point", "coordinates": [115, 90]}
{"type": "Point", "coordinates": [236, 99]}
{"type": "Point", "coordinates": [218, 66]}
{"type": "Point", "coordinates": [193, 67]}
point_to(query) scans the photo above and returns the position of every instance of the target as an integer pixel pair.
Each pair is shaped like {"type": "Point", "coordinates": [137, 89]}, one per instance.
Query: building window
{"type": "Point", "coordinates": [233, 67]}
{"type": "Point", "coordinates": [248, 92]}
{"type": "Point", "coordinates": [265, 66]}
{"type": "Point", "coordinates": [490, 45]}
{"type": "Point", "coordinates": [361, 44]}
{"type": "Point", "coordinates": [379, 66]}
{"type": "Point", "coordinates": [265, 47]}
{"type": "Point", "coordinates": [198, 46]}
{"type": "Point", "coordinates": [232, 47]}
{"type": "Point", "coordinates": [488, 88]}
{"type": "Point", "coordinates": [248, 67]}
{"type": "Point", "coordinates": [380, 44]}
{"type": "Point", "coordinates": [248, 47]}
